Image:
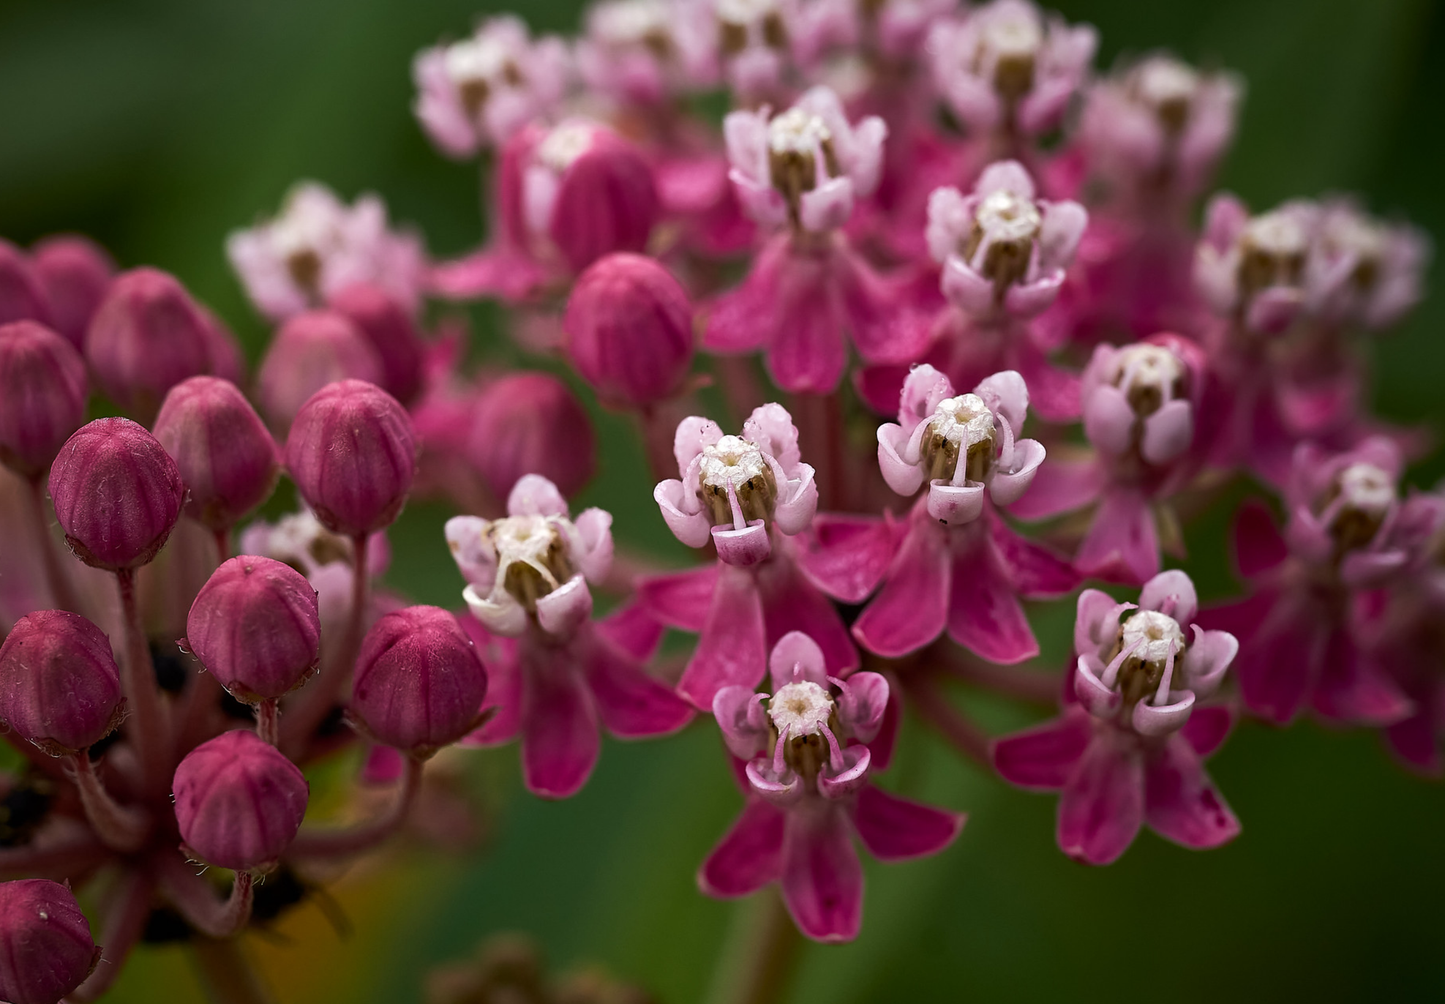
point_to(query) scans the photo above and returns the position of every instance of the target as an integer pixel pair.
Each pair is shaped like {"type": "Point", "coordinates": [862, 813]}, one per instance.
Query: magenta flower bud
{"type": "Point", "coordinates": [22, 297]}
{"type": "Point", "coordinates": [309, 351]}
{"type": "Point", "coordinates": [42, 395]}
{"type": "Point", "coordinates": [117, 493]}
{"type": "Point", "coordinates": [239, 801]}
{"type": "Point", "coordinates": [46, 950]}
{"type": "Point", "coordinates": [419, 683]}
{"type": "Point", "coordinates": [389, 328]}
{"type": "Point", "coordinates": [255, 626]}
{"type": "Point", "coordinates": [530, 423]}
{"type": "Point", "coordinates": [225, 455]}
{"type": "Point", "coordinates": [75, 273]}
{"type": "Point", "coordinates": [629, 329]}
{"type": "Point", "coordinates": [352, 454]}
{"type": "Point", "coordinates": [59, 686]}
{"type": "Point", "coordinates": [148, 335]}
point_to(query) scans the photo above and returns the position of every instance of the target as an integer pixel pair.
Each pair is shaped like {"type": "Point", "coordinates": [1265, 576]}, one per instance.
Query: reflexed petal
{"type": "Point", "coordinates": [1181, 803]}
{"type": "Point", "coordinates": [749, 856]}
{"type": "Point", "coordinates": [792, 603]}
{"type": "Point", "coordinates": [631, 702]}
{"type": "Point", "coordinates": [1044, 757]}
{"type": "Point", "coordinates": [680, 600]}
{"type": "Point", "coordinates": [731, 650]}
{"type": "Point", "coordinates": [984, 615]}
{"type": "Point", "coordinates": [1103, 802]}
{"type": "Point", "coordinates": [1208, 727]}
{"type": "Point", "coordinates": [846, 555]}
{"type": "Point", "coordinates": [1122, 543]}
{"type": "Point", "coordinates": [912, 607]}
{"type": "Point", "coordinates": [559, 723]}
{"type": "Point", "coordinates": [1060, 486]}
{"type": "Point", "coordinates": [822, 879]}
{"type": "Point", "coordinates": [896, 829]}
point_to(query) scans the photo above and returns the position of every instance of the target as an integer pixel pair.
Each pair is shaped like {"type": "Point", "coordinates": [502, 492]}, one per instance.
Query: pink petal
{"type": "Point", "coordinates": [1415, 743]}
{"type": "Point", "coordinates": [1351, 689]}
{"type": "Point", "coordinates": [559, 723]}
{"type": "Point", "coordinates": [504, 685]}
{"type": "Point", "coordinates": [1045, 756]}
{"type": "Point", "coordinates": [1109, 420]}
{"type": "Point", "coordinates": [1171, 592]}
{"type": "Point", "coordinates": [1060, 486]}
{"type": "Point", "coordinates": [822, 879]}
{"type": "Point", "coordinates": [1208, 727]}
{"type": "Point", "coordinates": [633, 630]}
{"type": "Point", "coordinates": [984, 615]}
{"type": "Point", "coordinates": [631, 702]}
{"type": "Point", "coordinates": [807, 354]}
{"type": "Point", "coordinates": [731, 650]}
{"type": "Point", "coordinates": [680, 600]}
{"type": "Point", "coordinates": [499, 272]}
{"type": "Point", "coordinates": [886, 740]}
{"type": "Point", "coordinates": [862, 704]}
{"type": "Point", "coordinates": [1181, 803]}
{"type": "Point", "coordinates": [1122, 543]}
{"type": "Point", "coordinates": [846, 555]}
{"type": "Point", "coordinates": [1168, 432]}
{"type": "Point", "coordinates": [896, 829]}
{"type": "Point", "coordinates": [912, 607]}
{"type": "Point", "coordinates": [739, 321]}
{"type": "Point", "coordinates": [792, 603]}
{"type": "Point", "coordinates": [1278, 665]}
{"type": "Point", "coordinates": [795, 658]}
{"type": "Point", "coordinates": [749, 856]}
{"type": "Point", "coordinates": [1038, 572]}
{"type": "Point", "coordinates": [1102, 805]}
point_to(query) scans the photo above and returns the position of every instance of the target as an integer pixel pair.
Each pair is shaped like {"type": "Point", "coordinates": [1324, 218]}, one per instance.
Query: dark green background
{"type": "Point", "coordinates": [158, 126]}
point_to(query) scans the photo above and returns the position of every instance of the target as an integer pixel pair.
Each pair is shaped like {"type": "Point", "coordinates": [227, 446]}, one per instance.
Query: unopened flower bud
{"type": "Point", "coordinates": [22, 297]}
{"type": "Point", "coordinates": [629, 329]}
{"type": "Point", "coordinates": [42, 395]}
{"type": "Point", "coordinates": [419, 683]}
{"type": "Point", "coordinates": [530, 423]}
{"type": "Point", "coordinates": [256, 627]}
{"type": "Point", "coordinates": [389, 328]}
{"type": "Point", "coordinates": [239, 801]}
{"type": "Point", "coordinates": [225, 455]}
{"type": "Point", "coordinates": [59, 686]}
{"type": "Point", "coordinates": [46, 950]}
{"type": "Point", "coordinates": [309, 351]}
{"type": "Point", "coordinates": [148, 335]}
{"type": "Point", "coordinates": [75, 273]}
{"type": "Point", "coordinates": [117, 493]}
{"type": "Point", "coordinates": [352, 454]}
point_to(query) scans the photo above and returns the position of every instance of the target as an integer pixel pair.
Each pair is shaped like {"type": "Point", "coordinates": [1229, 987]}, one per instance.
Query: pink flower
{"type": "Point", "coordinates": [753, 44]}
{"type": "Point", "coordinates": [738, 490]}
{"type": "Point", "coordinates": [325, 558]}
{"type": "Point", "coordinates": [1363, 272]}
{"type": "Point", "coordinates": [478, 92]}
{"type": "Point", "coordinates": [1005, 66]}
{"type": "Point", "coordinates": [809, 794]}
{"type": "Point", "coordinates": [527, 578]}
{"type": "Point", "coordinates": [318, 246]}
{"type": "Point", "coordinates": [1159, 123]}
{"type": "Point", "coordinates": [1129, 752]}
{"type": "Point", "coordinates": [644, 52]}
{"type": "Point", "coordinates": [1141, 406]}
{"type": "Point", "coordinates": [1252, 269]}
{"type": "Point", "coordinates": [1348, 532]}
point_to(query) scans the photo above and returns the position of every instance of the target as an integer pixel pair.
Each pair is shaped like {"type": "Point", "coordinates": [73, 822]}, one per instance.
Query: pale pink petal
{"type": "Point", "coordinates": [1044, 757]}
{"type": "Point", "coordinates": [1060, 486]}
{"type": "Point", "coordinates": [862, 703]}
{"type": "Point", "coordinates": [691, 527]}
{"type": "Point", "coordinates": [594, 526]}
{"type": "Point", "coordinates": [1109, 420]}
{"type": "Point", "coordinates": [1207, 659]}
{"type": "Point", "coordinates": [912, 607]}
{"type": "Point", "coordinates": [904, 478]}
{"type": "Point", "coordinates": [1062, 227]}
{"type": "Point", "coordinates": [1093, 695]}
{"type": "Point", "coordinates": [1029, 299]}
{"type": "Point", "coordinates": [966, 289]}
{"type": "Point", "coordinates": [955, 505]}
{"type": "Point", "coordinates": [1181, 803]}
{"type": "Point", "coordinates": [772, 428]}
{"type": "Point", "coordinates": [896, 829]}
{"type": "Point", "coordinates": [822, 879]}
{"type": "Point", "coordinates": [1160, 720]}
{"type": "Point", "coordinates": [680, 600]}
{"type": "Point", "coordinates": [796, 657]}
{"type": "Point", "coordinates": [562, 611]}
{"type": "Point", "coordinates": [732, 648]}
{"type": "Point", "coordinates": [1096, 616]}
{"type": "Point", "coordinates": [854, 775]}
{"type": "Point", "coordinates": [694, 434]}
{"type": "Point", "coordinates": [1103, 802]}
{"type": "Point", "coordinates": [744, 547]}
{"type": "Point", "coordinates": [1005, 176]}
{"type": "Point", "coordinates": [1171, 592]}
{"type": "Point", "coordinates": [534, 495]}
{"type": "Point", "coordinates": [1122, 543]}
{"type": "Point", "coordinates": [1168, 432]}
{"type": "Point", "coordinates": [749, 856]}
{"type": "Point", "coordinates": [742, 720]}
{"type": "Point", "coordinates": [828, 206]}
{"type": "Point", "coordinates": [1006, 487]}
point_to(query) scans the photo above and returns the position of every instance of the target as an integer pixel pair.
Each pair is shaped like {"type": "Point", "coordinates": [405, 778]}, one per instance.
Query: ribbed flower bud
{"type": "Point", "coordinates": [352, 454]}
{"type": "Point", "coordinates": [309, 351]}
{"type": "Point", "coordinates": [117, 493]}
{"type": "Point", "coordinates": [42, 395]}
{"type": "Point", "coordinates": [629, 329]}
{"type": "Point", "coordinates": [148, 335]}
{"type": "Point", "coordinates": [255, 626]}
{"type": "Point", "coordinates": [389, 329]}
{"type": "Point", "coordinates": [225, 455]}
{"type": "Point", "coordinates": [59, 686]}
{"type": "Point", "coordinates": [530, 423]}
{"type": "Point", "coordinates": [419, 683]}
{"type": "Point", "coordinates": [46, 950]}
{"type": "Point", "coordinates": [22, 297]}
{"type": "Point", "coordinates": [239, 801]}
{"type": "Point", "coordinates": [75, 273]}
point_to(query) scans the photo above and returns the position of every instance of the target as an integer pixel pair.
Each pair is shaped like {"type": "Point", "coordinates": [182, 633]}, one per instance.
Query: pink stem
{"type": "Point", "coordinates": [657, 437]}
{"type": "Point", "coordinates": [147, 729]}
{"type": "Point", "coordinates": [335, 843]}
{"type": "Point", "coordinates": [223, 545]}
{"type": "Point", "coordinates": [124, 921]}
{"type": "Point", "coordinates": [1011, 681]}
{"type": "Point", "coordinates": [195, 898]}
{"type": "Point", "coordinates": [268, 721]}
{"type": "Point", "coordinates": [57, 576]}
{"type": "Point", "coordinates": [66, 858]}
{"type": "Point", "coordinates": [123, 827]}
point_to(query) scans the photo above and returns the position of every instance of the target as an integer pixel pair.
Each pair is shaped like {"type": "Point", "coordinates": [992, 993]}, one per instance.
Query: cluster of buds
{"type": "Point", "coordinates": [901, 204]}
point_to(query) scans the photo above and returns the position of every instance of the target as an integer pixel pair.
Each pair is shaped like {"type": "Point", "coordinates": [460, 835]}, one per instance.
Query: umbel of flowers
{"type": "Point", "coordinates": [865, 325]}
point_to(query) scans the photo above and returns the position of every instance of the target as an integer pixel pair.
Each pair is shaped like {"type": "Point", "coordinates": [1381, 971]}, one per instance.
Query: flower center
{"type": "Point", "coordinates": [1167, 86]}
{"type": "Point", "coordinates": [1005, 225]}
{"type": "Point", "coordinates": [736, 16]}
{"type": "Point", "coordinates": [564, 144]}
{"type": "Point", "coordinates": [800, 709]}
{"type": "Point", "coordinates": [1363, 494]}
{"type": "Point", "coordinates": [1149, 375]}
{"type": "Point", "coordinates": [531, 556]}
{"type": "Point", "coordinates": [734, 463]}
{"type": "Point", "coordinates": [635, 22]}
{"type": "Point", "coordinates": [795, 139]}
{"type": "Point", "coordinates": [1348, 232]}
{"type": "Point", "coordinates": [476, 66]}
{"type": "Point", "coordinates": [961, 426]}
{"type": "Point", "coordinates": [301, 236]}
{"type": "Point", "coordinates": [1147, 640]}
{"type": "Point", "coordinates": [1012, 43]}
{"type": "Point", "coordinates": [1274, 247]}
{"type": "Point", "coordinates": [1156, 635]}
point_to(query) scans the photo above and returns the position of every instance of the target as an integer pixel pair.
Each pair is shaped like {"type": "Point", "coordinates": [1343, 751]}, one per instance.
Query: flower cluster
{"type": "Point", "coordinates": [967, 231]}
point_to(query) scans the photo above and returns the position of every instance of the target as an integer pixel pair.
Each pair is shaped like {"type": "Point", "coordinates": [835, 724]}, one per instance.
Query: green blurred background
{"type": "Point", "coordinates": [157, 126]}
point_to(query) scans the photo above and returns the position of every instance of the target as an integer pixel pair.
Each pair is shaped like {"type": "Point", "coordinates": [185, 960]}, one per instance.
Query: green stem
{"type": "Point", "coordinates": [759, 954]}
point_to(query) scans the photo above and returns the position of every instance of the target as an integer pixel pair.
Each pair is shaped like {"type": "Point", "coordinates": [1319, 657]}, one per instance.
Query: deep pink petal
{"type": "Point", "coordinates": [1258, 545]}
{"type": "Point", "coordinates": [1044, 757]}
{"type": "Point", "coordinates": [559, 722]}
{"type": "Point", "coordinates": [1038, 572]}
{"type": "Point", "coordinates": [1416, 744]}
{"type": "Point", "coordinates": [1351, 689]}
{"type": "Point", "coordinates": [912, 607]}
{"type": "Point", "coordinates": [749, 856]}
{"type": "Point", "coordinates": [500, 272]}
{"type": "Point", "coordinates": [504, 685]}
{"type": "Point", "coordinates": [679, 600]}
{"type": "Point", "coordinates": [886, 740]}
{"type": "Point", "coordinates": [792, 603]}
{"type": "Point", "coordinates": [1102, 805]}
{"type": "Point", "coordinates": [808, 352]}
{"type": "Point", "coordinates": [822, 878]}
{"type": "Point", "coordinates": [1181, 803]}
{"type": "Point", "coordinates": [1060, 486]}
{"type": "Point", "coordinates": [1278, 665]}
{"type": "Point", "coordinates": [1208, 727]}
{"type": "Point", "coordinates": [846, 555]}
{"type": "Point", "coordinates": [984, 615]}
{"type": "Point", "coordinates": [896, 829]}
{"type": "Point", "coordinates": [633, 630]}
{"type": "Point", "coordinates": [1122, 543]}
{"type": "Point", "coordinates": [731, 650]}
{"type": "Point", "coordinates": [631, 702]}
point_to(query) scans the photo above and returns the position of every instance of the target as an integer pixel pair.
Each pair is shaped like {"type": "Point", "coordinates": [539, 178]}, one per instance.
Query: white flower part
{"type": "Point", "coordinates": [1162, 81]}
{"type": "Point", "coordinates": [1156, 634]}
{"type": "Point", "coordinates": [564, 144]}
{"type": "Point", "coordinates": [1143, 367]}
{"type": "Point", "coordinates": [482, 59]}
{"type": "Point", "coordinates": [628, 22]}
{"type": "Point", "coordinates": [797, 131]}
{"type": "Point", "coordinates": [732, 459]}
{"type": "Point", "coordinates": [1013, 32]}
{"type": "Point", "coordinates": [964, 421]}
{"type": "Point", "coordinates": [312, 222]}
{"type": "Point", "coordinates": [1353, 233]}
{"type": "Point", "coordinates": [1007, 216]}
{"type": "Point", "coordinates": [1277, 234]}
{"type": "Point", "coordinates": [529, 540]}
{"type": "Point", "coordinates": [744, 12]}
{"type": "Point", "coordinates": [800, 709]}
{"type": "Point", "coordinates": [1366, 488]}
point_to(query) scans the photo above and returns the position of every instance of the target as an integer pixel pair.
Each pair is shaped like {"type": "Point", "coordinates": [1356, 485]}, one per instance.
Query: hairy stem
{"type": "Point", "coordinates": [268, 720]}
{"type": "Point", "coordinates": [196, 900]}
{"type": "Point", "coordinates": [123, 827]}
{"type": "Point", "coordinates": [147, 729]}
{"type": "Point", "coordinates": [57, 575]}
{"type": "Point", "coordinates": [336, 843]}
